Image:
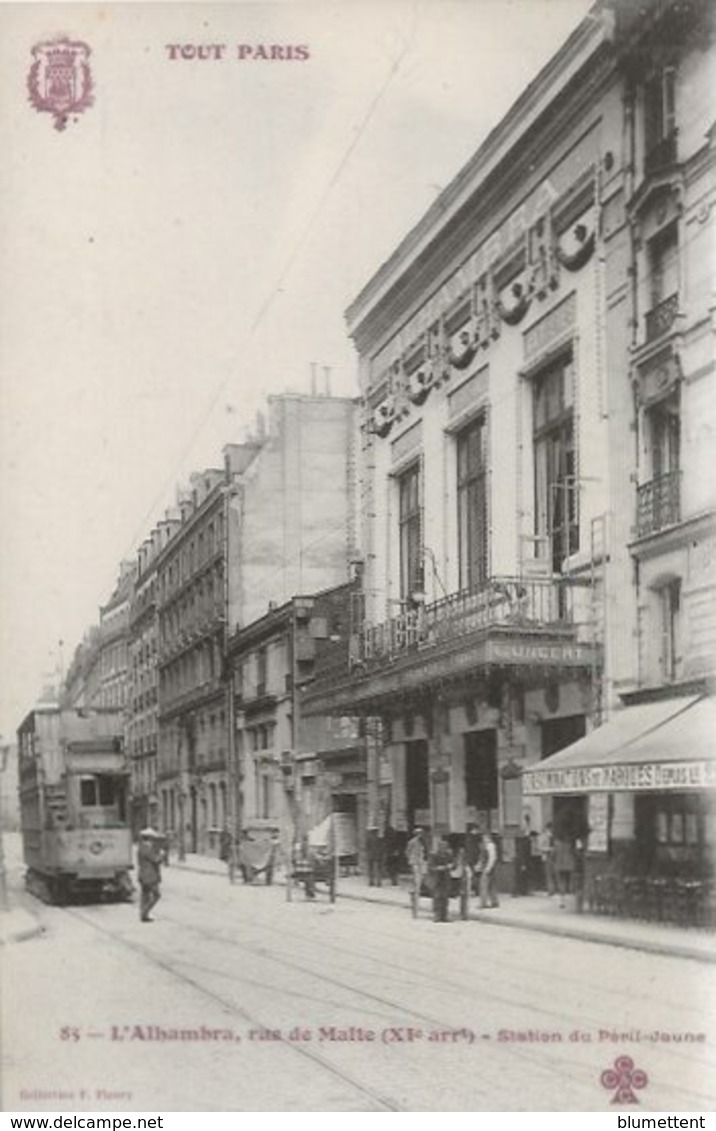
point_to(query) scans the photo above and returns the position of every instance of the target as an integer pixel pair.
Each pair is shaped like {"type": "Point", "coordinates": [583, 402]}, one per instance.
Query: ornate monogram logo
{"type": "Point", "coordinates": [624, 1078]}
{"type": "Point", "coordinates": [60, 80]}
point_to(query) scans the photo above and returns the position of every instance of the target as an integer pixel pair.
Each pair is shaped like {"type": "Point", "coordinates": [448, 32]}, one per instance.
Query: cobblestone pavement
{"type": "Point", "coordinates": [235, 999]}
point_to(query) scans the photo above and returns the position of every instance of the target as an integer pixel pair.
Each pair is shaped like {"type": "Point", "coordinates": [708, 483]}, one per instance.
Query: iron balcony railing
{"type": "Point", "coordinates": [661, 318]}
{"type": "Point", "coordinates": [658, 503]}
{"type": "Point", "coordinates": [501, 602]}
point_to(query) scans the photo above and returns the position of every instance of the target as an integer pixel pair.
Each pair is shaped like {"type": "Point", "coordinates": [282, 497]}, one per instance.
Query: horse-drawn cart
{"type": "Point", "coordinates": [310, 869]}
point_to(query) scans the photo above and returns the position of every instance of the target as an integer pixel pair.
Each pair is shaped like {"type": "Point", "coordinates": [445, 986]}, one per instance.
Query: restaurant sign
{"type": "Point", "coordinates": [643, 777]}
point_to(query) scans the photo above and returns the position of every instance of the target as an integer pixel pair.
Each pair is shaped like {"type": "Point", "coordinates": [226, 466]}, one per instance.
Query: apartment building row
{"type": "Point", "coordinates": [275, 520]}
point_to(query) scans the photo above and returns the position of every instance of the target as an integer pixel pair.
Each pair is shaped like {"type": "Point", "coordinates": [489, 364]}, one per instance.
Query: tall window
{"type": "Point", "coordinates": [664, 428]}
{"type": "Point", "coordinates": [556, 491]}
{"type": "Point", "coordinates": [261, 671]}
{"type": "Point", "coordinates": [472, 504]}
{"type": "Point", "coordinates": [659, 497]}
{"type": "Point", "coordinates": [670, 601]}
{"type": "Point", "coordinates": [664, 265]}
{"type": "Point", "coordinates": [409, 518]}
{"type": "Point", "coordinates": [660, 118]}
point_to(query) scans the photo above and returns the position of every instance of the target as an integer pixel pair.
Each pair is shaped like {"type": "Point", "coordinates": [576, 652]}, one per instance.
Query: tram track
{"type": "Point", "coordinates": [381, 1102]}
{"type": "Point", "coordinates": [500, 964]}
{"type": "Point", "coordinates": [556, 1064]}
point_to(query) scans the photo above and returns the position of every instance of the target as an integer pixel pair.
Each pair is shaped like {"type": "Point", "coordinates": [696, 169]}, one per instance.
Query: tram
{"type": "Point", "coordinates": [74, 785]}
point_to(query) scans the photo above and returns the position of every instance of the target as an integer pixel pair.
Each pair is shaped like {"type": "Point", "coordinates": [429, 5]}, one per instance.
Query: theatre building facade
{"type": "Point", "coordinates": [520, 469]}
{"type": "Point", "coordinates": [484, 472]}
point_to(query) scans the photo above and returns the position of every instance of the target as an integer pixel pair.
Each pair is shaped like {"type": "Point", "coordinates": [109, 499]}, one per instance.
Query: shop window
{"type": "Point", "coordinates": [674, 832]}
{"type": "Point", "coordinates": [556, 491]}
{"type": "Point", "coordinates": [472, 504]}
{"type": "Point", "coordinates": [410, 533]}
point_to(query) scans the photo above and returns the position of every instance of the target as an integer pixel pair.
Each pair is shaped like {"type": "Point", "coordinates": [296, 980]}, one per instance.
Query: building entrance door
{"type": "Point", "coordinates": [417, 782]}
{"type": "Point", "coordinates": [481, 792]}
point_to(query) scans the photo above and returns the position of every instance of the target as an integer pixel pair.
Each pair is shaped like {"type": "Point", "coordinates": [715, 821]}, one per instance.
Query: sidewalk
{"type": "Point", "coordinates": [528, 913]}
{"type": "Point", "coordinates": [17, 925]}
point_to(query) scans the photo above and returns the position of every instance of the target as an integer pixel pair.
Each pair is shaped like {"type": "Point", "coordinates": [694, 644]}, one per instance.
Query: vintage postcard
{"type": "Point", "coordinates": [357, 387]}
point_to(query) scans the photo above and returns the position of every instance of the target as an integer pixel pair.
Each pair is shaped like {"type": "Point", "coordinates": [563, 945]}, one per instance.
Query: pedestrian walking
{"type": "Point", "coordinates": [415, 855]}
{"type": "Point", "coordinates": [488, 873]}
{"type": "Point", "coordinates": [149, 857]}
{"type": "Point", "coordinates": [441, 865]}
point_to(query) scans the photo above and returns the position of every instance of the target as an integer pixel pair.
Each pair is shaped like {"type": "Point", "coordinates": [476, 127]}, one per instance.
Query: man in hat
{"type": "Point", "coordinates": [149, 857]}
{"type": "Point", "coordinates": [441, 864]}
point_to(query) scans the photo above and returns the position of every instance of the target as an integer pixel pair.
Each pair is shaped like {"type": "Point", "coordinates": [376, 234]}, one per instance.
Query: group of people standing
{"type": "Point", "coordinates": [443, 870]}
{"type": "Point", "coordinates": [437, 869]}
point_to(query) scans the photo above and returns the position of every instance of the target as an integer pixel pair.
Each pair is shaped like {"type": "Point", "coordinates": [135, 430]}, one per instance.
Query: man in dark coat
{"type": "Point", "coordinates": [149, 856]}
{"type": "Point", "coordinates": [441, 863]}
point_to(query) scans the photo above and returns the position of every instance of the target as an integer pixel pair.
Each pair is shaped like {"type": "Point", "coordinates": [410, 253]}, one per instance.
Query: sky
{"type": "Point", "coordinates": [189, 244]}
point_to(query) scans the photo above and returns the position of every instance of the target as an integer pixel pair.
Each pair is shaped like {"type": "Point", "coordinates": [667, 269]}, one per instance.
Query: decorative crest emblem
{"type": "Point", "coordinates": [60, 80]}
{"type": "Point", "coordinates": [624, 1078]}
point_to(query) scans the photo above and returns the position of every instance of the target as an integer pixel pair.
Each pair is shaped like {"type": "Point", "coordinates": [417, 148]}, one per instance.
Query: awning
{"type": "Point", "coordinates": [650, 747]}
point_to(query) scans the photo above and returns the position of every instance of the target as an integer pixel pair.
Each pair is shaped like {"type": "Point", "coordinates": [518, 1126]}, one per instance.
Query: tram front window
{"type": "Point", "coordinates": [104, 795]}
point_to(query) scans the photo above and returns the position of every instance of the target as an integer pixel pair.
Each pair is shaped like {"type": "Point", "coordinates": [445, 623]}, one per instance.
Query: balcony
{"type": "Point", "coordinates": [503, 602]}
{"type": "Point", "coordinates": [661, 156]}
{"type": "Point", "coordinates": [658, 504]}
{"type": "Point", "coordinates": [661, 318]}
{"type": "Point", "coordinates": [524, 624]}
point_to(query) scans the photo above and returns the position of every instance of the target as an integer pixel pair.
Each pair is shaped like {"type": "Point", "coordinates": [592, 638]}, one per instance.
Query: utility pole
{"type": "Point", "coordinates": [233, 749]}
{"type": "Point", "coordinates": [181, 847]}
{"type": "Point", "coordinates": [4, 755]}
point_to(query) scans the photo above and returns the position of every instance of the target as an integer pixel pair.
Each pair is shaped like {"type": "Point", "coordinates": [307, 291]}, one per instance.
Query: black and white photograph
{"type": "Point", "coordinates": [358, 583]}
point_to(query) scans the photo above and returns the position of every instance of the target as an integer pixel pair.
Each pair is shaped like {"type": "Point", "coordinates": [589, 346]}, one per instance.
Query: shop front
{"type": "Point", "coordinates": [635, 801]}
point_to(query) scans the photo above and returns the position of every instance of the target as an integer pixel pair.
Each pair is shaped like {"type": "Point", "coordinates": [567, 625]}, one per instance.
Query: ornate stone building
{"type": "Point", "coordinates": [645, 783]}
{"type": "Point", "coordinates": [536, 365]}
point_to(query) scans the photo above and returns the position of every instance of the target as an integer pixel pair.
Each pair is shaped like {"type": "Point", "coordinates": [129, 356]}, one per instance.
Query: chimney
{"type": "Point", "coordinates": [327, 379]}
{"type": "Point", "coordinates": [313, 378]}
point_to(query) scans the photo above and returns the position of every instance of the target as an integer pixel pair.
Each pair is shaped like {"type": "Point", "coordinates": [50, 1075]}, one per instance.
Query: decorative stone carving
{"type": "Point", "coordinates": [384, 416]}
{"type": "Point", "coordinates": [575, 245]}
{"type": "Point", "coordinates": [543, 262]}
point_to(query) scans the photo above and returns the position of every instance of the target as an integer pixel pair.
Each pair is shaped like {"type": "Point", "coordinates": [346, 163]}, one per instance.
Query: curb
{"type": "Point", "coordinates": [22, 934]}
{"type": "Point", "coordinates": [675, 950]}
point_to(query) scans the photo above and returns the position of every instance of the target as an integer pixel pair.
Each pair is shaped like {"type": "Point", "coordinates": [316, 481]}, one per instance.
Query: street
{"type": "Point", "coordinates": [234, 999]}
